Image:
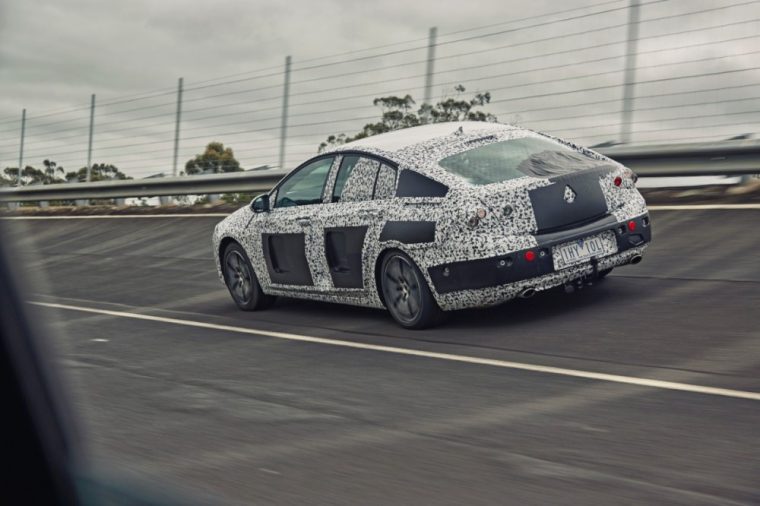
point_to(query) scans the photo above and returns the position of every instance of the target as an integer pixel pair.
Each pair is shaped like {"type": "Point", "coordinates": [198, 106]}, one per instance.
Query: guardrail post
{"type": "Point", "coordinates": [15, 205]}
{"type": "Point", "coordinates": [630, 71]}
{"type": "Point", "coordinates": [21, 147]}
{"type": "Point", "coordinates": [89, 140]}
{"type": "Point", "coordinates": [432, 35]}
{"type": "Point", "coordinates": [284, 125]}
{"type": "Point", "coordinates": [176, 128]}
{"type": "Point", "coordinates": [84, 202]}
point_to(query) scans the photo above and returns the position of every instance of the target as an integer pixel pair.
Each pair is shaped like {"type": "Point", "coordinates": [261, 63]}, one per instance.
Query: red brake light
{"type": "Point", "coordinates": [530, 255]}
{"type": "Point", "coordinates": [631, 225]}
{"type": "Point", "coordinates": [618, 181]}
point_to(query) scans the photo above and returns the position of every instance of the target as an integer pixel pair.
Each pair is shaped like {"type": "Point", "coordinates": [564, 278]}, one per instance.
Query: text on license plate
{"type": "Point", "coordinates": [581, 250]}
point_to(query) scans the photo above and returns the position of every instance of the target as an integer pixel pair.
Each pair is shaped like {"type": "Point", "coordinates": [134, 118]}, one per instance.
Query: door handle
{"type": "Point", "coordinates": [303, 221]}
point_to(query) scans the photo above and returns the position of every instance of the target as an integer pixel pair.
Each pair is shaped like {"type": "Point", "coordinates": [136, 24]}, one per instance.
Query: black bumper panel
{"type": "Point", "coordinates": [505, 269]}
{"type": "Point", "coordinates": [408, 232]}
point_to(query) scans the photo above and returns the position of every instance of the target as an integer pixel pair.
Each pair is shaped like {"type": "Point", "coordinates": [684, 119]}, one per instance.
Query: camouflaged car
{"type": "Point", "coordinates": [435, 218]}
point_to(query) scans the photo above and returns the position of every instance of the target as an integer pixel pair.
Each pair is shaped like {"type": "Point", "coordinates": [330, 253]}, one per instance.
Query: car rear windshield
{"type": "Point", "coordinates": [505, 160]}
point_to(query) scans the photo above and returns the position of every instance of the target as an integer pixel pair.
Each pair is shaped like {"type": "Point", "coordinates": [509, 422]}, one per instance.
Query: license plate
{"type": "Point", "coordinates": [582, 250]}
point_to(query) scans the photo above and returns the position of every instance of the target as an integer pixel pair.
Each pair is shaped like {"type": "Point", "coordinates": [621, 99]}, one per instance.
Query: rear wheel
{"type": "Point", "coordinates": [406, 293]}
{"type": "Point", "coordinates": [241, 280]}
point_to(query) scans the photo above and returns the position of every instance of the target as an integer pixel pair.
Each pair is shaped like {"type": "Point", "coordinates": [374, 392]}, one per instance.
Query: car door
{"type": "Point", "coordinates": [286, 232]}
{"type": "Point", "coordinates": [354, 217]}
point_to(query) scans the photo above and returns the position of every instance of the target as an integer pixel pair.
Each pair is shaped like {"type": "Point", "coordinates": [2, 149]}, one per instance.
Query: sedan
{"type": "Point", "coordinates": [432, 219]}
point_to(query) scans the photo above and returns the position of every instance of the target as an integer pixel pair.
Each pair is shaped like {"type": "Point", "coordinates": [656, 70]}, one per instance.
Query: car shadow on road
{"type": "Point", "coordinates": [545, 306]}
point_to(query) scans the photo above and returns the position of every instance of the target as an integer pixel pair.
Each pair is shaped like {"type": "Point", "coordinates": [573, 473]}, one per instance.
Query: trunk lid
{"type": "Point", "coordinates": [570, 200]}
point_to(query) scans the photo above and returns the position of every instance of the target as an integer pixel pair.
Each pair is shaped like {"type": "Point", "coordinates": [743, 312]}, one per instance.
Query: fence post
{"type": "Point", "coordinates": [21, 147]}
{"type": "Point", "coordinates": [429, 69]}
{"type": "Point", "coordinates": [630, 71]}
{"type": "Point", "coordinates": [284, 126]}
{"type": "Point", "coordinates": [89, 141]}
{"type": "Point", "coordinates": [176, 128]}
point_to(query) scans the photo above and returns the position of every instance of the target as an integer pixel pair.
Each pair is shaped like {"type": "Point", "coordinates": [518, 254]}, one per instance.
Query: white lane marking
{"type": "Point", "coordinates": [702, 207]}
{"type": "Point", "coordinates": [99, 340]}
{"type": "Point", "coordinates": [614, 378]}
{"type": "Point", "coordinates": [109, 216]}
{"type": "Point", "coordinates": [685, 207]}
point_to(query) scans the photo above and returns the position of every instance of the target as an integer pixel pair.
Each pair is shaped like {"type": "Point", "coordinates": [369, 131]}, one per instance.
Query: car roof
{"type": "Point", "coordinates": [402, 139]}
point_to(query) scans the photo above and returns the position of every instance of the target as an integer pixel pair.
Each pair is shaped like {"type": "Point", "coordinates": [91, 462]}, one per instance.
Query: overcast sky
{"type": "Point", "coordinates": [54, 54]}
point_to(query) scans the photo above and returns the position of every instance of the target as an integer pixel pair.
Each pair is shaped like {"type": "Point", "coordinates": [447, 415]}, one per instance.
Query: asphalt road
{"type": "Point", "coordinates": [256, 418]}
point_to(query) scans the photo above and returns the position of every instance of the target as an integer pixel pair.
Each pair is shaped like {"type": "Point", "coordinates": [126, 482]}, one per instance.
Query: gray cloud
{"type": "Point", "coordinates": [53, 55]}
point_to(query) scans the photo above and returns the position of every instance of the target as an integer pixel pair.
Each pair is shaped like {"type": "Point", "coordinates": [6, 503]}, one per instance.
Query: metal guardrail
{"type": "Point", "coordinates": [232, 182]}
{"type": "Point", "coordinates": [719, 158]}
{"type": "Point", "coordinates": [724, 158]}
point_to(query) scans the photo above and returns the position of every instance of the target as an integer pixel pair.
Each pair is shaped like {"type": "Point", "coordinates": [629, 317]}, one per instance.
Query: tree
{"type": "Point", "coordinates": [397, 113]}
{"type": "Point", "coordinates": [52, 173]}
{"type": "Point", "coordinates": [6, 180]}
{"type": "Point", "coordinates": [32, 175]}
{"type": "Point", "coordinates": [216, 158]}
{"type": "Point", "coordinates": [51, 168]}
{"type": "Point", "coordinates": [98, 172]}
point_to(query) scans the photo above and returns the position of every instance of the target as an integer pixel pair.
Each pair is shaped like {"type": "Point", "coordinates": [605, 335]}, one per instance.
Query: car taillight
{"type": "Point", "coordinates": [530, 255]}
{"type": "Point", "coordinates": [631, 225]}
{"type": "Point", "coordinates": [627, 180]}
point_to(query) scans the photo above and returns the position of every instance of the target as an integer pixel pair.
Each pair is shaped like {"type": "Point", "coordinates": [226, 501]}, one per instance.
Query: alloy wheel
{"type": "Point", "coordinates": [401, 288]}
{"type": "Point", "coordinates": [239, 278]}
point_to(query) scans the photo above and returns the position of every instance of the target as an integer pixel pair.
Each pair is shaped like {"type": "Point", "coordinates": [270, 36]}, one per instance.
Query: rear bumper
{"type": "Point", "coordinates": [514, 268]}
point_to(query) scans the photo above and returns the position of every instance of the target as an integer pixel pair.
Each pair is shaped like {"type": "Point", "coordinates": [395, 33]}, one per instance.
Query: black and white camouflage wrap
{"type": "Point", "coordinates": [499, 233]}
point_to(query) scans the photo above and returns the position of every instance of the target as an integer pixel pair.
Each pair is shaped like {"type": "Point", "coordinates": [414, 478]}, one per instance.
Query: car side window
{"type": "Point", "coordinates": [360, 185]}
{"type": "Point", "coordinates": [385, 186]}
{"type": "Point", "coordinates": [347, 165]}
{"type": "Point", "coordinates": [305, 186]}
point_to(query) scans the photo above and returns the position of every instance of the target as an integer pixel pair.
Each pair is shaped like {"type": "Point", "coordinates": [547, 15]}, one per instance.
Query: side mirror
{"type": "Point", "coordinates": [260, 204]}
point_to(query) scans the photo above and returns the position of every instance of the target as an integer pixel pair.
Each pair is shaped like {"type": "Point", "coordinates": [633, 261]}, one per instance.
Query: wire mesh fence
{"type": "Point", "coordinates": [691, 70]}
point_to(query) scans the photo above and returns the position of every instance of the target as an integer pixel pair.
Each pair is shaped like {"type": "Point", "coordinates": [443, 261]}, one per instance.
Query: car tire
{"type": "Point", "coordinates": [241, 280]}
{"type": "Point", "coordinates": [406, 293]}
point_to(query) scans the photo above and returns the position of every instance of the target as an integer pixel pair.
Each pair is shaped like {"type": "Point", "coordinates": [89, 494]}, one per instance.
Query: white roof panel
{"type": "Point", "coordinates": [400, 139]}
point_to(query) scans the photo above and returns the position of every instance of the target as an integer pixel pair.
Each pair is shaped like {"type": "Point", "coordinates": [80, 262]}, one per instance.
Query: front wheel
{"type": "Point", "coordinates": [241, 280]}
{"type": "Point", "coordinates": [406, 293]}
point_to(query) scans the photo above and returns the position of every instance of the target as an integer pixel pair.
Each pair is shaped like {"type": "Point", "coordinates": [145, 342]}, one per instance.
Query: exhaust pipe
{"type": "Point", "coordinates": [636, 259]}
{"type": "Point", "coordinates": [527, 293]}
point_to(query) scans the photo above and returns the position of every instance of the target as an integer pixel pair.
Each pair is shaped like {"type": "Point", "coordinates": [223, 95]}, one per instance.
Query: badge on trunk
{"type": "Point", "coordinates": [569, 195]}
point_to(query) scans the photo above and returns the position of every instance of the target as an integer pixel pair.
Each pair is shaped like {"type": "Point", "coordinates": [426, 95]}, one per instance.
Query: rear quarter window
{"type": "Point", "coordinates": [413, 184]}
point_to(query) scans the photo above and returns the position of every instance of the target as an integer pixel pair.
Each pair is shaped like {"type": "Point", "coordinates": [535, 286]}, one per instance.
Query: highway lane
{"type": "Point", "coordinates": [258, 418]}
